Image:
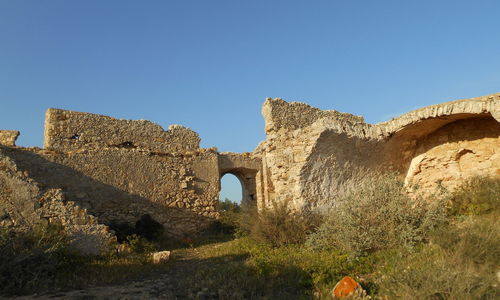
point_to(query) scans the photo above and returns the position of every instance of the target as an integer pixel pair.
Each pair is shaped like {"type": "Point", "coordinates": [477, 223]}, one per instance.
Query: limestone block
{"type": "Point", "coordinates": [161, 257]}
{"type": "Point", "coordinates": [8, 137]}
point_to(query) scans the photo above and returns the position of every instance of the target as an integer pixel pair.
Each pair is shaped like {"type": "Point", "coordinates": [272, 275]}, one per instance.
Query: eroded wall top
{"type": "Point", "coordinates": [439, 115]}
{"type": "Point", "coordinates": [281, 114]}
{"type": "Point", "coordinates": [8, 137]}
{"type": "Point", "coordinates": [70, 130]}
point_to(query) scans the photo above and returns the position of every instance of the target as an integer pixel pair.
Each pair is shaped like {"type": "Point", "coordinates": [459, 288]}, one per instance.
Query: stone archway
{"type": "Point", "coordinates": [245, 167]}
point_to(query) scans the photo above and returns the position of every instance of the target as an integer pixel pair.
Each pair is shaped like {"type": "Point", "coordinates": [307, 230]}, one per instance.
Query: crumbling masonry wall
{"type": "Point", "coordinates": [121, 185]}
{"type": "Point", "coordinates": [309, 155]}
{"type": "Point", "coordinates": [120, 170]}
{"type": "Point", "coordinates": [97, 170]}
{"type": "Point", "coordinates": [306, 152]}
{"type": "Point", "coordinates": [26, 203]}
{"type": "Point", "coordinates": [116, 171]}
{"type": "Point", "coordinates": [70, 130]}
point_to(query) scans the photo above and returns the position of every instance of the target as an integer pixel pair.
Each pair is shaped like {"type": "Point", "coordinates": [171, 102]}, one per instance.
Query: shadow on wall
{"type": "Point", "coordinates": [335, 160]}
{"type": "Point", "coordinates": [104, 201]}
{"type": "Point", "coordinates": [458, 150]}
{"type": "Point", "coordinates": [462, 131]}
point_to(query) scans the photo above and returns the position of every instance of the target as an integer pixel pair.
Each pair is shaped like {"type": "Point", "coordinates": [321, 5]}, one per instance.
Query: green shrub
{"type": "Point", "coordinates": [476, 196]}
{"type": "Point", "coordinates": [261, 271]}
{"type": "Point", "coordinates": [33, 260]}
{"type": "Point", "coordinates": [462, 258]}
{"type": "Point", "coordinates": [277, 225]}
{"type": "Point", "coordinates": [377, 215]}
{"type": "Point", "coordinates": [229, 206]}
{"type": "Point", "coordinates": [141, 245]}
{"type": "Point", "coordinates": [460, 262]}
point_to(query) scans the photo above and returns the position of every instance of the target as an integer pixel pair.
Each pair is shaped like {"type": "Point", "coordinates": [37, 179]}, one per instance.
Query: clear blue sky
{"type": "Point", "coordinates": [209, 65]}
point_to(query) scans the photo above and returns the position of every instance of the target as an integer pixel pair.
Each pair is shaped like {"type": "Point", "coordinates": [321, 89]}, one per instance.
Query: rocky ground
{"type": "Point", "coordinates": [163, 285]}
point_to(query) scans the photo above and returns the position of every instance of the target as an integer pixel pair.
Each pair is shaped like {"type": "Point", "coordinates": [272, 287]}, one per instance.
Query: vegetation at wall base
{"type": "Point", "coordinates": [378, 214]}
{"type": "Point", "coordinates": [427, 253]}
{"type": "Point", "coordinates": [276, 225]}
{"type": "Point", "coordinates": [34, 259]}
{"type": "Point", "coordinates": [461, 259]}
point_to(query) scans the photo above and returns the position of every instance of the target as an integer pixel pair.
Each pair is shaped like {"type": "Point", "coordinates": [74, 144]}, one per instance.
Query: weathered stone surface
{"type": "Point", "coordinates": [26, 203]}
{"type": "Point", "coordinates": [442, 114]}
{"type": "Point", "coordinates": [459, 150]}
{"type": "Point", "coordinates": [309, 155]}
{"type": "Point", "coordinates": [306, 152]}
{"type": "Point", "coordinates": [161, 257]}
{"type": "Point", "coordinates": [71, 130]}
{"type": "Point", "coordinates": [122, 185]}
{"type": "Point", "coordinates": [121, 170]}
{"type": "Point", "coordinates": [8, 137]}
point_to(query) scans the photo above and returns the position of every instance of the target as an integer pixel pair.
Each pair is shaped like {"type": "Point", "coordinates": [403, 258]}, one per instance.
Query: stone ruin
{"type": "Point", "coordinates": [308, 153]}
{"type": "Point", "coordinates": [95, 170]}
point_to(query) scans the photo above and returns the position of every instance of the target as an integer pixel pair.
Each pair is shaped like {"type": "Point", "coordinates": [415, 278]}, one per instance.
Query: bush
{"type": "Point", "coordinates": [148, 228]}
{"type": "Point", "coordinates": [277, 225]}
{"type": "Point", "coordinates": [377, 215]}
{"type": "Point", "coordinates": [462, 257]}
{"type": "Point", "coordinates": [460, 263]}
{"type": "Point", "coordinates": [476, 196]}
{"type": "Point", "coordinates": [140, 245]}
{"type": "Point", "coordinates": [33, 260]}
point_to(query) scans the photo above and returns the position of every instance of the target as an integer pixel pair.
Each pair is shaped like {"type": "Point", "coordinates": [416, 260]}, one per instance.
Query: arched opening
{"type": "Point", "coordinates": [456, 151]}
{"type": "Point", "coordinates": [231, 188]}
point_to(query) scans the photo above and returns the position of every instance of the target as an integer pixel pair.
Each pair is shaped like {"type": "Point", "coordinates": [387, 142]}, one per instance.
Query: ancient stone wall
{"type": "Point", "coordinates": [108, 170]}
{"type": "Point", "coordinates": [306, 152]}
{"type": "Point", "coordinates": [121, 185]}
{"type": "Point", "coordinates": [310, 155]}
{"type": "Point", "coordinates": [461, 149]}
{"type": "Point", "coordinates": [70, 130]}
{"type": "Point", "coordinates": [120, 170]}
{"type": "Point", "coordinates": [26, 203]}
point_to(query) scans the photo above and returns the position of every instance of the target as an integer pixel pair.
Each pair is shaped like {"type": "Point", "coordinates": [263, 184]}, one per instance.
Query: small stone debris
{"type": "Point", "coordinates": [161, 257]}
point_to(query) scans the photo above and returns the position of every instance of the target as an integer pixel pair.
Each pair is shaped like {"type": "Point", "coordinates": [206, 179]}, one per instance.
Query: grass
{"type": "Point", "coordinates": [254, 270]}
{"type": "Point", "coordinates": [42, 259]}
{"type": "Point", "coordinates": [460, 262]}
{"type": "Point", "coordinates": [455, 259]}
{"type": "Point", "coordinates": [461, 258]}
{"type": "Point", "coordinates": [33, 260]}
